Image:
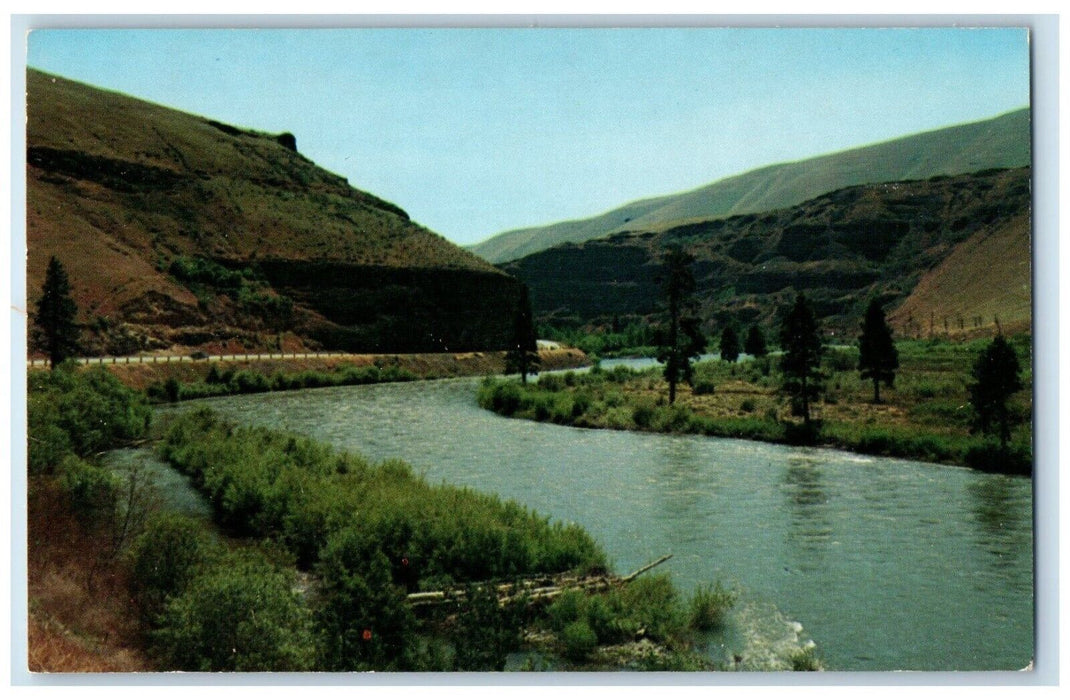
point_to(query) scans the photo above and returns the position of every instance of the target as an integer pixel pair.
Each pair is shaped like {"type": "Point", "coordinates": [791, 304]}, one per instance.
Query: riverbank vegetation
{"type": "Point", "coordinates": [309, 560]}
{"type": "Point", "coordinates": [180, 381]}
{"type": "Point", "coordinates": [927, 415]}
{"type": "Point", "coordinates": [229, 381]}
{"type": "Point", "coordinates": [82, 518]}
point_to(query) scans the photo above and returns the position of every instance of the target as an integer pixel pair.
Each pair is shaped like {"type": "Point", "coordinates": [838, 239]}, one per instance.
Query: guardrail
{"type": "Point", "coordinates": [164, 359]}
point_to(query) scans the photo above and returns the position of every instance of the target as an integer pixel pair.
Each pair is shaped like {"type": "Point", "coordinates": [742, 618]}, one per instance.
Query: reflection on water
{"type": "Point", "coordinates": [998, 507]}
{"type": "Point", "coordinates": [810, 529]}
{"type": "Point", "coordinates": [888, 564]}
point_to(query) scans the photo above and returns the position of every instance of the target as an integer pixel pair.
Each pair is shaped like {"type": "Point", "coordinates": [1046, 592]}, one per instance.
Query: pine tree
{"type": "Point", "coordinates": [56, 332]}
{"type": "Point", "coordinates": [729, 344]}
{"type": "Point", "coordinates": [878, 358]}
{"type": "Point", "coordinates": [996, 374]}
{"type": "Point", "coordinates": [523, 357]}
{"type": "Point", "coordinates": [755, 343]}
{"type": "Point", "coordinates": [801, 362]}
{"type": "Point", "coordinates": [682, 340]}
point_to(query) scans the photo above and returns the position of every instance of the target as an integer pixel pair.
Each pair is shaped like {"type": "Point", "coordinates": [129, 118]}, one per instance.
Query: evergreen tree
{"type": "Point", "coordinates": [729, 344]}
{"type": "Point", "coordinates": [801, 362]}
{"type": "Point", "coordinates": [56, 332]}
{"type": "Point", "coordinates": [682, 340]}
{"type": "Point", "coordinates": [523, 357]}
{"type": "Point", "coordinates": [996, 374]}
{"type": "Point", "coordinates": [878, 358]}
{"type": "Point", "coordinates": [755, 343]}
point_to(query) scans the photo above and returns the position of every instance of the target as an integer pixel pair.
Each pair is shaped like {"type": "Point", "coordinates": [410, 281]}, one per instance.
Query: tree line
{"type": "Point", "coordinates": [996, 373]}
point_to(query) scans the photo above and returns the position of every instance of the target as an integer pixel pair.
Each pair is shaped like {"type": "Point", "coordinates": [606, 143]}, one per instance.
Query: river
{"type": "Point", "coordinates": [885, 564]}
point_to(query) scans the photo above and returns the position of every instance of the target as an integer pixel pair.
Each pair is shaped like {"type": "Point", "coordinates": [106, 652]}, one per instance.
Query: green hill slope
{"type": "Point", "coordinates": [1002, 142]}
{"type": "Point", "coordinates": [179, 231]}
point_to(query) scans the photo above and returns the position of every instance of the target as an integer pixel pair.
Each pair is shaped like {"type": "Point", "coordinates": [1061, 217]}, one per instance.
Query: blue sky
{"type": "Point", "coordinates": [475, 131]}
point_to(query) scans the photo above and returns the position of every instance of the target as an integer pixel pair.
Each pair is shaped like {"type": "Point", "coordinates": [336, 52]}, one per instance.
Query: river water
{"type": "Point", "coordinates": [885, 564]}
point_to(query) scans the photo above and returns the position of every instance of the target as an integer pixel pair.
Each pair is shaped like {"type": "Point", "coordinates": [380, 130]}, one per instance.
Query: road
{"type": "Point", "coordinates": [163, 359]}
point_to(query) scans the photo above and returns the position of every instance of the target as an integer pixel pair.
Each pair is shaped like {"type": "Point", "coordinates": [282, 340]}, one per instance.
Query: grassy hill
{"type": "Point", "coordinates": [180, 231]}
{"type": "Point", "coordinates": [945, 248]}
{"type": "Point", "coordinates": [1001, 142]}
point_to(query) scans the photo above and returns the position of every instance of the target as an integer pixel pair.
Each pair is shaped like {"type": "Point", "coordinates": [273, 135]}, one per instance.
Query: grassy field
{"type": "Point", "coordinates": [926, 416]}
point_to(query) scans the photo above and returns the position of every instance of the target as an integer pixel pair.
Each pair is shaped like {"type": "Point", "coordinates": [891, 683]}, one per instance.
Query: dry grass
{"type": "Point", "coordinates": [987, 276]}
{"type": "Point", "coordinates": [80, 616]}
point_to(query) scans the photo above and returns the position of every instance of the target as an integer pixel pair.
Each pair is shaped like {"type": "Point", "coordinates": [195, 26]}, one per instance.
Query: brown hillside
{"type": "Point", "coordinates": [120, 189]}
{"type": "Point", "coordinates": [966, 237]}
{"type": "Point", "coordinates": [987, 276]}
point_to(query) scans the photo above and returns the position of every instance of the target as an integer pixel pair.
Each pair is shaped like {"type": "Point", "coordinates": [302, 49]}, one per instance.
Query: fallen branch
{"type": "Point", "coordinates": [533, 590]}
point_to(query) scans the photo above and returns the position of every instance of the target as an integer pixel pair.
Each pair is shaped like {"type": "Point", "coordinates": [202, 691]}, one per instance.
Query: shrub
{"type": "Point", "coordinates": [171, 552]}
{"type": "Point", "coordinates": [567, 608]}
{"type": "Point", "coordinates": [805, 660]}
{"type": "Point", "coordinates": [172, 389]}
{"type": "Point", "coordinates": [551, 382]}
{"type": "Point", "coordinates": [485, 631]}
{"type": "Point", "coordinates": [643, 415]}
{"type": "Point", "coordinates": [363, 617]}
{"type": "Point", "coordinates": [562, 410]}
{"type": "Point", "coordinates": [241, 615]}
{"type": "Point", "coordinates": [654, 602]}
{"type": "Point", "coordinates": [578, 640]}
{"type": "Point", "coordinates": [672, 419]}
{"type": "Point", "coordinates": [841, 359]}
{"type": "Point", "coordinates": [709, 607]}
{"type": "Point", "coordinates": [270, 484]}
{"type": "Point", "coordinates": [48, 441]}
{"type": "Point", "coordinates": [501, 397]}
{"type": "Point", "coordinates": [80, 411]}
{"type": "Point", "coordinates": [92, 490]}
{"type": "Point", "coordinates": [990, 456]}
{"type": "Point", "coordinates": [702, 387]}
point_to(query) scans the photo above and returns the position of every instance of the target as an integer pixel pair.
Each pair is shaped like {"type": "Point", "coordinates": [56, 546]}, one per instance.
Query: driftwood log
{"type": "Point", "coordinates": [535, 590]}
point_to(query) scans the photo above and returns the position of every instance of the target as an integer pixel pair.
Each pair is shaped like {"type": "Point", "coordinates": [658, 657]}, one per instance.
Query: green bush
{"type": "Point", "coordinates": [83, 412]}
{"type": "Point", "coordinates": [269, 484]}
{"type": "Point", "coordinates": [48, 441]}
{"type": "Point", "coordinates": [805, 660]}
{"type": "Point", "coordinates": [709, 607]}
{"type": "Point", "coordinates": [654, 601]}
{"type": "Point", "coordinates": [551, 382]}
{"type": "Point", "coordinates": [578, 641]}
{"type": "Point", "coordinates": [643, 415]}
{"type": "Point", "coordinates": [841, 359]}
{"type": "Point", "coordinates": [485, 632]}
{"type": "Point", "coordinates": [242, 615]}
{"type": "Point", "coordinates": [92, 490]}
{"type": "Point", "coordinates": [500, 397]}
{"type": "Point", "coordinates": [990, 456]}
{"type": "Point", "coordinates": [362, 617]}
{"type": "Point", "coordinates": [171, 552]}
{"type": "Point", "coordinates": [702, 387]}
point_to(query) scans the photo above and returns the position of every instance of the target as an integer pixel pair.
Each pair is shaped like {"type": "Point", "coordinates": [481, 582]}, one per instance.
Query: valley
{"type": "Point", "coordinates": [267, 410]}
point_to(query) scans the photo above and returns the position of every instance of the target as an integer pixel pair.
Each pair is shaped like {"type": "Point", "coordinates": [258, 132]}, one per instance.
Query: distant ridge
{"type": "Point", "coordinates": [1001, 142]}
{"type": "Point", "coordinates": [948, 255]}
